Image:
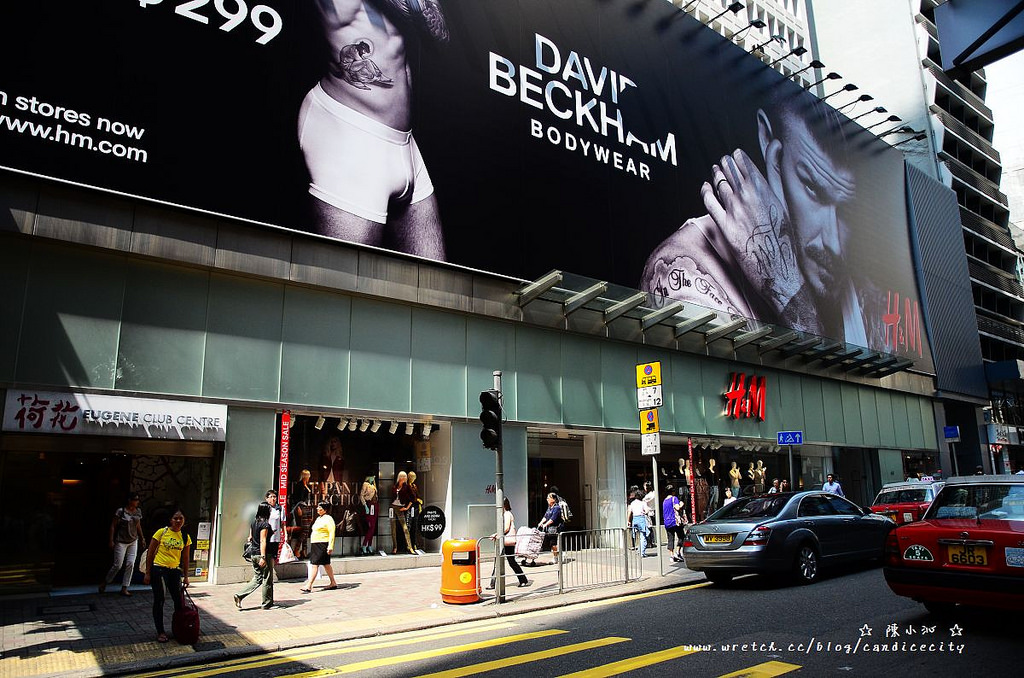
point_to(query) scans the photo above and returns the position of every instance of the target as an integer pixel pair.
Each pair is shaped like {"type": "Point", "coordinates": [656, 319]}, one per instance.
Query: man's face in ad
{"type": "Point", "coordinates": [817, 189]}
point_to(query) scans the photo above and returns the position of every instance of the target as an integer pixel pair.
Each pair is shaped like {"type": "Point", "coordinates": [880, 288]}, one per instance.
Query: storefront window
{"type": "Point", "coordinates": [374, 476]}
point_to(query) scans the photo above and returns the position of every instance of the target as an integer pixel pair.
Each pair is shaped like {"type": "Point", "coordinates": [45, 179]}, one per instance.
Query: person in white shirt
{"type": "Point", "coordinates": [274, 547]}
{"type": "Point", "coordinates": [636, 518]}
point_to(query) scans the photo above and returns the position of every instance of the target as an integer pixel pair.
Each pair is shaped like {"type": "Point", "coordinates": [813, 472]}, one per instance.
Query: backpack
{"type": "Point", "coordinates": [566, 513]}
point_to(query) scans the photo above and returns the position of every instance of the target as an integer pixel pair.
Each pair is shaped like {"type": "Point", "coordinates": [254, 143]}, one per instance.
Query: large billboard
{"type": "Point", "coordinates": [613, 139]}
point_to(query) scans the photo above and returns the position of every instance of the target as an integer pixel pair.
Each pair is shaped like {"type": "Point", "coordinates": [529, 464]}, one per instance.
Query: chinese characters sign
{"type": "Point", "coordinates": [86, 414]}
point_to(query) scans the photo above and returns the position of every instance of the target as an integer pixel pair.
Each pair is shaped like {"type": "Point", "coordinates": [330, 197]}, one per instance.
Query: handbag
{"type": "Point", "coordinates": [251, 549]}
{"type": "Point", "coordinates": [185, 622]}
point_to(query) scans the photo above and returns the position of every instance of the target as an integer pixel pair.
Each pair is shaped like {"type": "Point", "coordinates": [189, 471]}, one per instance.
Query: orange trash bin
{"type": "Point", "coordinates": [460, 571]}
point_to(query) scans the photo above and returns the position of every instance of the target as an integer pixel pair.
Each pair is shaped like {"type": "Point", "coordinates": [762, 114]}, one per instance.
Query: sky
{"type": "Point", "coordinates": [1006, 98]}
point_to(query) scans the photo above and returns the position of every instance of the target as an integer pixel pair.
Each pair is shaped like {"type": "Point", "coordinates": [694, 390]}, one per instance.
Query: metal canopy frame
{"type": "Point", "coordinates": [574, 293]}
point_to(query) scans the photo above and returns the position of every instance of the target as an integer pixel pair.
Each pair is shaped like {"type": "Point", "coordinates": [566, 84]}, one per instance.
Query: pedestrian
{"type": "Point", "coordinates": [321, 544]}
{"type": "Point", "coordinates": [774, 489]}
{"type": "Point", "coordinates": [784, 486]}
{"type": "Point", "coordinates": [274, 548]}
{"type": "Point", "coordinates": [262, 565]}
{"type": "Point", "coordinates": [652, 514]}
{"type": "Point", "coordinates": [126, 540]}
{"type": "Point", "coordinates": [669, 512]}
{"type": "Point", "coordinates": [832, 486]}
{"type": "Point", "coordinates": [636, 519]}
{"type": "Point", "coordinates": [551, 523]}
{"type": "Point", "coordinates": [509, 542]}
{"type": "Point", "coordinates": [167, 567]}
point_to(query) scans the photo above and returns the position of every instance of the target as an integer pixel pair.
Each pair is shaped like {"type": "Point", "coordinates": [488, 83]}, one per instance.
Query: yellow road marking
{"type": "Point", "coordinates": [524, 658]}
{"type": "Point", "coordinates": [338, 647]}
{"type": "Point", "coordinates": [427, 654]}
{"type": "Point", "coordinates": [765, 670]}
{"type": "Point", "coordinates": [625, 665]}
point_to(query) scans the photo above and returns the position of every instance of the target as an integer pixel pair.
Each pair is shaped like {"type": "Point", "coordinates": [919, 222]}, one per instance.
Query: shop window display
{"type": "Point", "coordinates": [369, 478]}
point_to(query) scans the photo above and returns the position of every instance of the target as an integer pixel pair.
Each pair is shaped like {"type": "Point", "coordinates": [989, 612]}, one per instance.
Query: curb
{"type": "Point", "coordinates": [491, 611]}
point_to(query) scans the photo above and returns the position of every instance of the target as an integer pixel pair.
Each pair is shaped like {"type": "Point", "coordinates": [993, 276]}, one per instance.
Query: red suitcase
{"type": "Point", "coordinates": [185, 622]}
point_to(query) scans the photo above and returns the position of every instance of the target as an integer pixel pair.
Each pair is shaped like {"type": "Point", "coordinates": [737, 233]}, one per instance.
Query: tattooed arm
{"type": "Point", "coordinates": [425, 15]}
{"type": "Point", "coordinates": [686, 268]}
{"type": "Point", "coordinates": [752, 228]}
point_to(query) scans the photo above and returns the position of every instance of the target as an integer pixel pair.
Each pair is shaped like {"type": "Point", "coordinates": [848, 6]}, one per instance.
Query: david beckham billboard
{"type": "Point", "coordinates": [613, 139]}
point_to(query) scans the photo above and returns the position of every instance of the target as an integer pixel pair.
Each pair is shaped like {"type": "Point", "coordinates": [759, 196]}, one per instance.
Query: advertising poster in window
{"type": "Point", "coordinates": [612, 139]}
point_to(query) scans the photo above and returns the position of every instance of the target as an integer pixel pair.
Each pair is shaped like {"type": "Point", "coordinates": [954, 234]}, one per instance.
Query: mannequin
{"type": "Point", "coordinates": [759, 477]}
{"type": "Point", "coordinates": [414, 513]}
{"type": "Point", "coordinates": [712, 477]}
{"type": "Point", "coordinates": [397, 511]}
{"type": "Point", "coordinates": [684, 485]}
{"type": "Point", "coordinates": [368, 503]}
{"type": "Point", "coordinates": [734, 479]}
{"type": "Point", "coordinates": [751, 475]}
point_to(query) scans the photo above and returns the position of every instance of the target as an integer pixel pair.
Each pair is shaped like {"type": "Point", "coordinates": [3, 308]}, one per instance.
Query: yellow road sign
{"type": "Point", "coordinates": [649, 421]}
{"type": "Point", "coordinates": [648, 374]}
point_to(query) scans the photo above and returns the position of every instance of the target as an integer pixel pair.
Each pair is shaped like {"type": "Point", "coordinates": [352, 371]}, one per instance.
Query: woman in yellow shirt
{"type": "Point", "coordinates": [321, 543]}
{"type": "Point", "coordinates": [167, 561]}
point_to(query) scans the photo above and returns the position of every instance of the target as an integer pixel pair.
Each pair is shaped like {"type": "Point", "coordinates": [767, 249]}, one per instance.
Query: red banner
{"type": "Point", "coordinates": [282, 473]}
{"type": "Point", "coordinates": [692, 482]}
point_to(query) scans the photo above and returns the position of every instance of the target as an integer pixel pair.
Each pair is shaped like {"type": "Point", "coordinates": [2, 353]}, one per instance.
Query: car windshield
{"type": "Point", "coordinates": [752, 507]}
{"type": "Point", "coordinates": [902, 496]}
{"type": "Point", "coordinates": [989, 501]}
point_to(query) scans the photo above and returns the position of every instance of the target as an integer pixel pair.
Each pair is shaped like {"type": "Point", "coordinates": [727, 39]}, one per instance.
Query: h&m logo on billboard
{"type": "Point", "coordinates": [743, 401]}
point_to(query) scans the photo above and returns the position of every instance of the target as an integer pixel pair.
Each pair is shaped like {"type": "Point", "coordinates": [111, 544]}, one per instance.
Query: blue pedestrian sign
{"type": "Point", "coordinates": [790, 438]}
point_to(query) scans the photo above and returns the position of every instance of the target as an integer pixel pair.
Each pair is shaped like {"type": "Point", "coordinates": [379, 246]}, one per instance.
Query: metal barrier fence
{"type": "Point", "coordinates": [596, 557]}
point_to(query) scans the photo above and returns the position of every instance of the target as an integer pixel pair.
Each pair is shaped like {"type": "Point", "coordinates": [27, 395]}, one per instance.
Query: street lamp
{"type": "Point", "coordinates": [849, 87]}
{"type": "Point", "coordinates": [796, 51]}
{"type": "Point", "coordinates": [831, 76]}
{"type": "Point", "coordinates": [734, 8]}
{"type": "Point", "coordinates": [891, 118]}
{"type": "Point", "coordinates": [917, 137]}
{"type": "Point", "coordinates": [774, 38]}
{"type": "Point", "coordinates": [814, 64]}
{"type": "Point", "coordinates": [756, 23]}
{"type": "Point", "coordinates": [876, 109]}
{"type": "Point", "coordinates": [861, 98]}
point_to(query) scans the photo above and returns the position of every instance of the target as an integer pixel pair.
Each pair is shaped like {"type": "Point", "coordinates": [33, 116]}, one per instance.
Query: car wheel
{"type": "Point", "coordinates": [939, 609]}
{"type": "Point", "coordinates": [805, 565]}
{"type": "Point", "coordinates": [719, 578]}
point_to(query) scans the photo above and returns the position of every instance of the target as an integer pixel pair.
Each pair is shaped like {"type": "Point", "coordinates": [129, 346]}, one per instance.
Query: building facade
{"type": "Point", "coordinates": [200, 359]}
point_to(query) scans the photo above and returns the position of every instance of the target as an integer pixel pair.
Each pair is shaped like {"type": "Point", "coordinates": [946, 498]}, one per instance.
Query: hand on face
{"type": "Point", "coordinates": [753, 225]}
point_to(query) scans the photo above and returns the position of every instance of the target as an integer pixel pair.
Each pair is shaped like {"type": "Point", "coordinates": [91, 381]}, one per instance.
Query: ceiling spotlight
{"type": "Point", "coordinates": [342, 423]}
{"type": "Point", "coordinates": [408, 428]}
{"type": "Point", "coordinates": [375, 426]}
{"type": "Point", "coordinates": [876, 109]}
{"type": "Point", "coordinates": [862, 98]}
{"type": "Point", "coordinates": [848, 87]}
{"type": "Point", "coordinates": [320, 421]}
{"type": "Point", "coordinates": [393, 428]}
{"type": "Point", "coordinates": [891, 118]}
{"type": "Point", "coordinates": [774, 38]}
{"type": "Point", "coordinates": [796, 51]}
{"type": "Point", "coordinates": [363, 425]}
{"type": "Point", "coordinates": [352, 423]}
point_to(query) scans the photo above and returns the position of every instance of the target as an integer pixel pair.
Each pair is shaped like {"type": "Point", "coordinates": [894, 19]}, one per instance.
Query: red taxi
{"type": "Point", "coordinates": [968, 549]}
{"type": "Point", "coordinates": [905, 502]}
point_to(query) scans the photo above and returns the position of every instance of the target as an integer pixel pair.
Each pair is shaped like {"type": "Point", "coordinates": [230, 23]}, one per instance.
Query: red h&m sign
{"type": "Point", "coordinates": [743, 402]}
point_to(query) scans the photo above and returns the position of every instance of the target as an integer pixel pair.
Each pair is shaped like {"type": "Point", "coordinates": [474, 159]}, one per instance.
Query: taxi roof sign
{"type": "Point", "coordinates": [648, 374]}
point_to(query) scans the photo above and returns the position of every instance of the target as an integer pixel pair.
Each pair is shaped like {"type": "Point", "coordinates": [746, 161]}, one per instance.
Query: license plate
{"type": "Point", "coordinates": [717, 538]}
{"type": "Point", "coordinates": [968, 555]}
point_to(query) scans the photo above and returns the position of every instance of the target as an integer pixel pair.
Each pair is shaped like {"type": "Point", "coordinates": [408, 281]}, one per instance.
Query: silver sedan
{"type": "Point", "coordinates": [793, 533]}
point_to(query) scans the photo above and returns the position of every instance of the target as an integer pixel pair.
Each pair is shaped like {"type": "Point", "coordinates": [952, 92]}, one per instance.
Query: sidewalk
{"type": "Point", "coordinates": [83, 633]}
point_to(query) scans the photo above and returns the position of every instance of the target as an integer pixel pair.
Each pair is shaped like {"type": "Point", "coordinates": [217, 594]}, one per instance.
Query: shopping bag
{"type": "Point", "coordinates": [286, 554]}
{"type": "Point", "coordinates": [185, 622]}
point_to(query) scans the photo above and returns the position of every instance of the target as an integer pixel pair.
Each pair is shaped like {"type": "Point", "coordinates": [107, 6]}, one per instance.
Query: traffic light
{"type": "Point", "coordinates": [490, 417]}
